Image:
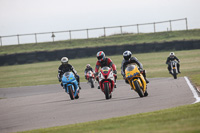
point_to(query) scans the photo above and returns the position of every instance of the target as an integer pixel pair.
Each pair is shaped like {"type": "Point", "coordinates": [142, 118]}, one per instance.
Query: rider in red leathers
{"type": "Point", "coordinates": [102, 62]}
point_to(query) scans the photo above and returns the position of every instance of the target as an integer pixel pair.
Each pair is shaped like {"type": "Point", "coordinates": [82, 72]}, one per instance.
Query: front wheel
{"type": "Point", "coordinates": [138, 89]}
{"type": "Point", "coordinates": [71, 94]}
{"type": "Point", "coordinates": [174, 74]}
{"type": "Point", "coordinates": [91, 82]}
{"type": "Point", "coordinates": [106, 90]}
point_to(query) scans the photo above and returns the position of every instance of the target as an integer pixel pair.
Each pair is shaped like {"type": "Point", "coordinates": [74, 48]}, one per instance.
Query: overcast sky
{"type": "Point", "coordinates": [33, 16]}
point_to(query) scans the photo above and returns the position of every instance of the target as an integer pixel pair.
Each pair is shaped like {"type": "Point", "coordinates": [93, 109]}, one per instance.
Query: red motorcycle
{"type": "Point", "coordinates": [91, 78]}
{"type": "Point", "coordinates": [106, 81]}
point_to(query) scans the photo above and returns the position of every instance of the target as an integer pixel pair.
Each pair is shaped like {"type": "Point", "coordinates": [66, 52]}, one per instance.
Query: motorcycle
{"type": "Point", "coordinates": [106, 81]}
{"type": "Point", "coordinates": [136, 80]}
{"type": "Point", "coordinates": [174, 70]}
{"type": "Point", "coordinates": [91, 78]}
{"type": "Point", "coordinates": [70, 85]}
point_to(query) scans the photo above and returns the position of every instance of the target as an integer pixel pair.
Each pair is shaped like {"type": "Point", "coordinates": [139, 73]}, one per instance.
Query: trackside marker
{"type": "Point", "coordinates": [196, 96]}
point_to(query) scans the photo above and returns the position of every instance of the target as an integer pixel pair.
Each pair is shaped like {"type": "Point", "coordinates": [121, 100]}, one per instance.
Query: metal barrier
{"type": "Point", "coordinates": [104, 29]}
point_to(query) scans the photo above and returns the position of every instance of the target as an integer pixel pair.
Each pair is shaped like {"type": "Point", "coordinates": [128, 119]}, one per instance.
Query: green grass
{"type": "Point", "coordinates": [181, 119]}
{"type": "Point", "coordinates": [46, 72]}
{"type": "Point", "coordinates": [102, 41]}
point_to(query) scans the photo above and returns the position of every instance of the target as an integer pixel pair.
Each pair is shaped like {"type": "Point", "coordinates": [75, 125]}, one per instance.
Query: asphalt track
{"type": "Point", "coordinates": [27, 108]}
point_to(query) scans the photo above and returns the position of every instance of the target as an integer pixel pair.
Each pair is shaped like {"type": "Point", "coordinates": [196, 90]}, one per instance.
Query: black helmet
{"type": "Point", "coordinates": [127, 55]}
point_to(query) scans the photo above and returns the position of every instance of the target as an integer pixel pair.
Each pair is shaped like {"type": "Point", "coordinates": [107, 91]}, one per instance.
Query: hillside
{"type": "Point", "coordinates": [104, 41]}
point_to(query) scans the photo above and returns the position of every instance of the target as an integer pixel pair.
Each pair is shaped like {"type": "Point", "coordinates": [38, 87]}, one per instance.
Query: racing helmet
{"type": "Point", "coordinates": [127, 54]}
{"type": "Point", "coordinates": [88, 66]}
{"type": "Point", "coordinates": [64, 60]}
{"type": "Point", "coordinates": [100, 56]}
{"type": "Point", "coordinates": [172, 54]}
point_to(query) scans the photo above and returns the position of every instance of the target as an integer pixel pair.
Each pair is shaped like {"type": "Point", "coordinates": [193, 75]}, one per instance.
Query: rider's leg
{"type": "Point", "coordinates": [144, 74]}
{"type": "Point", "coordinates": [178, 67]}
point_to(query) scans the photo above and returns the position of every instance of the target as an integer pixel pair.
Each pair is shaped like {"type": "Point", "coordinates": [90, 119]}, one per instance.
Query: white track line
{"type": "Point", "coordinates": [196, 96]}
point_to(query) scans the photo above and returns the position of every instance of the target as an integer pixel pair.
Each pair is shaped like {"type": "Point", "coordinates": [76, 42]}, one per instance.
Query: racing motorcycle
{"type": "Point", "coordinates": [106, 81]}
{"type": "Point", "coordinates": [136, 80]}
{"type": "Point", "coordinates": [174, 70]}
{"type": "Point", "coordinates": [91, 78]}
{"type": "Point", "coordinates": [70, 85]}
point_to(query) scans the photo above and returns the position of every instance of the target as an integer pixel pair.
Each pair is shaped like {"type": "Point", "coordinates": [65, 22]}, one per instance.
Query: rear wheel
{"type": "Point", "coordinates": [138, 89]}
{"type": "Point", "coordinates": [71, 94]}
{"type": "Point", "coordinates": [106, 90]}
{"type": "Point", "coordinates": [174, 74]}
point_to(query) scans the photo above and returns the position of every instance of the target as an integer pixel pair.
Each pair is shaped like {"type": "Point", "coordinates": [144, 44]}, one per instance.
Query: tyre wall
{"type": "Point", "coordinates": [32, 57]}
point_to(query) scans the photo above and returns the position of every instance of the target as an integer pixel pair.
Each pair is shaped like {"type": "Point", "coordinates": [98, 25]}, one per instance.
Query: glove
{"type": "Point", "coordinates": [96, 74]}
{"type": "Point", "coordinates": [59, 79]}
{"type": "Point", "coordinates": [141, 70]}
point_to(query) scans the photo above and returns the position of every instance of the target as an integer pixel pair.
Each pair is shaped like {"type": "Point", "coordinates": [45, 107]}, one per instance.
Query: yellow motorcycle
{"type": "Point", "coordinates": [136, 80]}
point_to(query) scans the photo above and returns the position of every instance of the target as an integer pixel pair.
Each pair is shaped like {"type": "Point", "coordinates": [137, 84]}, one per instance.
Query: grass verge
{"type": "Point", "coordinates": [46, 72]}
{"type": "Point", "coordinates": [182, 119]}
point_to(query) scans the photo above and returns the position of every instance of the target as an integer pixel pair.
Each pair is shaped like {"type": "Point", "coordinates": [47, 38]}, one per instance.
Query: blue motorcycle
{"type": "Point", "coordinates": [70, 85]}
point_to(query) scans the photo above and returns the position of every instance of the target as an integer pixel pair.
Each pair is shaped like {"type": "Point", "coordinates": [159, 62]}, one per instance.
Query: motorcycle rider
{"type": "Point", "coordinates": [172, 57]}
{"type": "Point", "coordinates": [102, 62]}
{"type": "Point", "coordinates": [88, 68]}
{"type": "Point", "coordinates": [129, 60]}
{"type": "Point", "coordinates": [66, 67]}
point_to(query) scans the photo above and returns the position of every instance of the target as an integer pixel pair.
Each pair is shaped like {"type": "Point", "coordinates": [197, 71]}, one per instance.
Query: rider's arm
{"type": "Point", "coordinates": [73, 70]}
{"type": "Point", "coordinates": [97, 67]}
{"type": "Point", "coordinates": [123, 69]}
{"type": "Point", "coordinates": [177, 59]}
{"type": "Point", "coordinates": [135, 60]}
{"type": "Point", "coordinates": [59, 73]}
{"type": "Point", "coordinates": [167, 60]}
{"type": "Point", "coordinates": [111, 64]}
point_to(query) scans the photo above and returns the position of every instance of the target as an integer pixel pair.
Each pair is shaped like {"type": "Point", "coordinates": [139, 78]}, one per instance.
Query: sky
{"type": "Point", "coordinates": [35, 16]}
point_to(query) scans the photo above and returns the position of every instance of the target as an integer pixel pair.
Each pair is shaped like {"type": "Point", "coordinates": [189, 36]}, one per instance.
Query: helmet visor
{"type": "Point", "coordinates": [100, 57]}
{"type": "Point", "coordinates": [127, 57]}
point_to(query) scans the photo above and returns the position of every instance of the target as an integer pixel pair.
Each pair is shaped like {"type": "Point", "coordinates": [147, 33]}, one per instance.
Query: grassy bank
{"type": "Point", "coordinates": [102, 41]}
{"type": "Point", "coordinates": [46, 72]}
{"type": "Point", "coordinates": [182, 119]}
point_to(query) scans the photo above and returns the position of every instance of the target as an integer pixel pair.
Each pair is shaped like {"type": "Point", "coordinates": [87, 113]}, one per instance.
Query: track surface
{"type": "Point", "coordinates": [27, 108]}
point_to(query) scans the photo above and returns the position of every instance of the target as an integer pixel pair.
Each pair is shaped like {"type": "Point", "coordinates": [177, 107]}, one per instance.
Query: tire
{"type": "Point", "coordinates": [71, 94]}
{"type": "Point", "coordinates": [92, 83]}
{"type": "Point", "coordinates": [138, 89]}
{"type": "Point", "coordinates": [174, 74]}
{"type": "Point", "coordinates": [106, 90]}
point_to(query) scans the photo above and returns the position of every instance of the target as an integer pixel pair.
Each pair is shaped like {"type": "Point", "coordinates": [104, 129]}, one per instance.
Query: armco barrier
{"type": "Point", "coordinates": [32, 57]}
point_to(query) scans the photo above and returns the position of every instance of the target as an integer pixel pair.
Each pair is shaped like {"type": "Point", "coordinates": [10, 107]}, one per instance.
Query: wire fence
{"type": "Point", "coordinates": [182, 24]}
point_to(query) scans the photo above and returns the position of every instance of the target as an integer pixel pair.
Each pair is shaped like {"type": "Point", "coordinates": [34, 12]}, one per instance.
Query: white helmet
{"type": "Point", "coordinates": [64, 60]}
{"type": "Point", "coordinates": [171, 54]}
{"type": "Point", "coordinates": [127, 55]}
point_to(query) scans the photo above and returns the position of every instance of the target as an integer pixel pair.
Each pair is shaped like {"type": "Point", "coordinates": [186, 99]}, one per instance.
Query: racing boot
{"type": "Point", "coordinates": [146, 93]}
{"type": "Point", "coordinates": [147, 81]}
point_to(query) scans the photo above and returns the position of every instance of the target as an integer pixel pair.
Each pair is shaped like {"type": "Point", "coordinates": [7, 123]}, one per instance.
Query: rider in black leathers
{"type": "Point", "coordinates": [172, 57]}
{"type": "Point", "coordinates": [129, 60]}
{"type": "Point", "coordinates": [65, 67]}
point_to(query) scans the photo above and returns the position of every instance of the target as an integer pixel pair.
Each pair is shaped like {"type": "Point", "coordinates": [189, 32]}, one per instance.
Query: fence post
{"type": "Point", "coordinates": [154, 25]}
{"type": "Point", "coordinates": [121, 29]}
{"type": "Point", "coordinates": [70, 36]}
{"type": "Point", "coordinates": [18, 39]}
{"type": "Point", "coordinates": [138, 28]}
{"type": "Point", "coordinates": [186, 23]}
{"type": "Point", "coordinates": [104, 32]}
{"type": "Point", "coordinates": [87, 34]}
{"type": "Point", "coordinates": [53, 36]}
{"type": "Point", "coordinates": [35, 38]}
{"type": "Point", "coordinates": [170, 24]}
{"type": "Point", "coordinates": [1, 41]}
